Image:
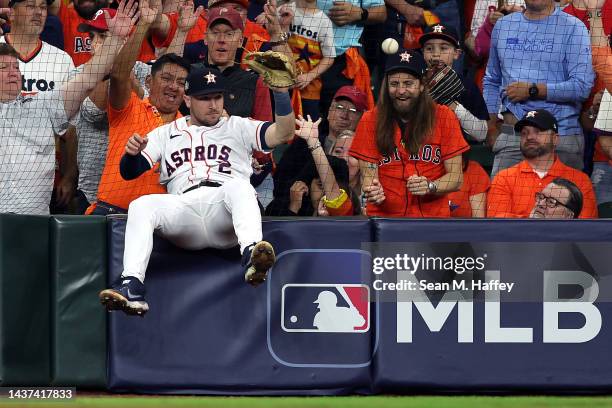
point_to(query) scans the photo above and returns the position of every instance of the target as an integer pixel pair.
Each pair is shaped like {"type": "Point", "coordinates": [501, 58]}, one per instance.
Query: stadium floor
{"type": "Point", "coordinates": [323, 402]}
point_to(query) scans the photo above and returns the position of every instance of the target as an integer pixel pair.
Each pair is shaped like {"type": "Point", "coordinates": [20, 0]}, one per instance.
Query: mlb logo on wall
{"type": "Point", "coordinates": [325, 308]}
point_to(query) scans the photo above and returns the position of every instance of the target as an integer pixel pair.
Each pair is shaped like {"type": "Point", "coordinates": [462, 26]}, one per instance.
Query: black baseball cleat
{"type": "Point", "coordinates": [257, 260]}
{"type": "Point", "coordinates": [127, 294]}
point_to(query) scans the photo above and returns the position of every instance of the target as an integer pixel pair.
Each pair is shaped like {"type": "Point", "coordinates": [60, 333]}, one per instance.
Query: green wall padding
{"type": "Point", "coordinates": [78, 324]}
{"type": "Point", "coordinates": [24, 300]}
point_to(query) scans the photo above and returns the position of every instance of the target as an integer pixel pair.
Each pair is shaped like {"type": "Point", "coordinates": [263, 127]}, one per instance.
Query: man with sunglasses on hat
{"type": "Point", "coordinates": [513, 191]}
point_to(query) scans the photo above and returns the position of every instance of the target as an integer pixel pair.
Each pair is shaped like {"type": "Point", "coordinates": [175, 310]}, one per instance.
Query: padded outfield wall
{"type": "Point", "coordinates": [208, 332]}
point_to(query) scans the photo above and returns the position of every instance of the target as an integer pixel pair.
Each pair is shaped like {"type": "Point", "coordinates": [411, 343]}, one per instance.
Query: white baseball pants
{"type": "Point", "coordinates": [207, 217]}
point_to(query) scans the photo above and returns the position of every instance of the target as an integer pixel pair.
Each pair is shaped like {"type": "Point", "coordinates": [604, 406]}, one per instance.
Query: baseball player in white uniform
{"type": "Point", "coordinates": [205, 163]}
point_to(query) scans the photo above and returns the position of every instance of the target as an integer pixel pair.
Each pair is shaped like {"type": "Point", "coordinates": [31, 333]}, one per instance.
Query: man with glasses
{"type": "Point", "coordinates": [560, 199]}
{"type": "Point", "coordinates": [245, 94]}
{"type": "Point", "coordinates": [128, 114]}
{"type": "Point", "coordinates": [513, 192]}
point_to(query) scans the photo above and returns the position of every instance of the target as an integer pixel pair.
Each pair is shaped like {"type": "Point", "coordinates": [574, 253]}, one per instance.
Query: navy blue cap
{"type": "Point", "coordinates": [540, 118]}
{"type": "Point", "coordinates": [204, 81]}
{"type": "Point", "coordinates": [439, 31]}
{"type": "Point", "coordinates": [410, 61]}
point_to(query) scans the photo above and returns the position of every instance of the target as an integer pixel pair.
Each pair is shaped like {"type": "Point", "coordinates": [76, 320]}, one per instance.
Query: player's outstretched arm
{"type": "Point", "coordinates": [282, 131]}
{"type": "Point", "coordinates": [81, 84]}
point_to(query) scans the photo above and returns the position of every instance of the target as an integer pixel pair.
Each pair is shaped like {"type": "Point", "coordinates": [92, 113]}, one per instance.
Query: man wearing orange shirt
{"type": "Point", "coordinates": [409, 148]}
{"type": "Point", "coordinates": [128, 114]}
{"type": "Point", "coordinates": [513, 192]}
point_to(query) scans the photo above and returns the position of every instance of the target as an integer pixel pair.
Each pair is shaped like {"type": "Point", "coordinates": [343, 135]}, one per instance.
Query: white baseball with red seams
{"type": "Point", "coordinates": [205, 217]}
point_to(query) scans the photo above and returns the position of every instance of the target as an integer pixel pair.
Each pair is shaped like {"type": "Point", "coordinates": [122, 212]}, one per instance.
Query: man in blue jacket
{"type": "Point", "coordinates": [539, 59]}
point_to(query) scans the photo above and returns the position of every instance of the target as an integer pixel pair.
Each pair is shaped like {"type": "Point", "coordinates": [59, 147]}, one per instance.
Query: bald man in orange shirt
{"type": "Point", "coordinates": [513, 191]}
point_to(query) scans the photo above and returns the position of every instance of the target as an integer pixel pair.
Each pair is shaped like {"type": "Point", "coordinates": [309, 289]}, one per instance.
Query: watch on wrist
{"type": "Point", "coordinates": [533, 91]}
{"type": "Point", "coordinates": [432, 188]}
{"type": "Point", "coordinates": [314, 147]}
{"type": "Point", "coordinates": [282, 38]}
{"type": "Point", "coordinates": [364, 15]}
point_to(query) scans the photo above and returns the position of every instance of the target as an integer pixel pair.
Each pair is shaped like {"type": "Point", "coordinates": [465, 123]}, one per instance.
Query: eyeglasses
{"type": "Point", "coordinates": [227, 35]}
{"type": "Point", "coordinates": [550, 201]}
{"type": "Point", "coordinates": [343, 108]}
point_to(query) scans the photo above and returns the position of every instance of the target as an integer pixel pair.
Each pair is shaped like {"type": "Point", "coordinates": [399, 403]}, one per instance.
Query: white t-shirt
{"type": "Point", "coordinates": [190, 154]}
{"type": "Point", "coordinates": [316, 32]}
{"type": "Point", "coordinates": [27, 151]}
{"type": "Point", "coordinates": [45, 70]}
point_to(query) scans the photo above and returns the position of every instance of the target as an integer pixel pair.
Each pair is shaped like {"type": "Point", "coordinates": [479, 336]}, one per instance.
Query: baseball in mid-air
{"type": "Point", "coordinates": [390, 46]}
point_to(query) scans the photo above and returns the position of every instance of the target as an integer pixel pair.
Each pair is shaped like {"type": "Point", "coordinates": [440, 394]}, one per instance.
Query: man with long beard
{"type": "Point", "coordinates": [513, 192]}
{"type": "Point", "coordinates": [409, 148]}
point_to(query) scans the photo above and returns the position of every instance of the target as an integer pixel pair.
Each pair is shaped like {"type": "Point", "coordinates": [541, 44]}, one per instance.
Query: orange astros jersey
{"type": "Point", "coordinates": [445, 142]}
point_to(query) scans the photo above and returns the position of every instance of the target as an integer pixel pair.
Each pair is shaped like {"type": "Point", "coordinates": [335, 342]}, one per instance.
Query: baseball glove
{"type": "Point", "coordinates": [275, 68]}
{"type": "Point", "coordinates": [445, 86]}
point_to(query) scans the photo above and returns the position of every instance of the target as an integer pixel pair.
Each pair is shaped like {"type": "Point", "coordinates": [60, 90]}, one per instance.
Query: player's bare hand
{"type": "Point", "coordinates": [127, 15]}
{"type": "Point", "coordinates": [374, 192]}
{"type": "Point", "coordinates": [307, 129]}
{"type": "Point", "coordinates": [518, 91]}
{"type": "Point", "coordinates": [135, 144]}
{"type": "Point", "coordinates": [417, 185]}
{"type": "Point", "coordinates": [296, 194]}
{"type": "Point", "coordinates": [187, 15]}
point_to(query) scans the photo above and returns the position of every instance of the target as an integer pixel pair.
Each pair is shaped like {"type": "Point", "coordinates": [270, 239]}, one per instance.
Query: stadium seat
{"type": "Point", "coordinates": [605, 210]}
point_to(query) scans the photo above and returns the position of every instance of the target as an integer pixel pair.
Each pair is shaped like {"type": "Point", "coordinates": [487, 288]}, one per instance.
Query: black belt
{"type": "Point", "coordinates": [204, 183]}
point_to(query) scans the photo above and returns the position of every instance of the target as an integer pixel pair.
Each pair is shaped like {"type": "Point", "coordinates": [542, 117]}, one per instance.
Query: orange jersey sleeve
{"type": "Point", "coordinates": [139, 116]}
{"type": "Point", "coordinates": [364, 142]}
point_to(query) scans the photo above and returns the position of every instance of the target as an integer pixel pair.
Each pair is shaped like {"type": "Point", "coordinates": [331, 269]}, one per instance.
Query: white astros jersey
{"type": "Point", "coordinates": [191, 154]}
{"type": "Point", "coordinates": [45, 70]}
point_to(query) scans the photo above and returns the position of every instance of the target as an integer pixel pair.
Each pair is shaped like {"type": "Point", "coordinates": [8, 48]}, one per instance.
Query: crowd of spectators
{"type": "Point", "coordinates": [528, 136]}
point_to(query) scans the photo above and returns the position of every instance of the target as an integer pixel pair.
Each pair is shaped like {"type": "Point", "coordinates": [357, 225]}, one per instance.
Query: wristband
{"type": "Point", "coordinates": [282, 103]}
{"type": "Point", "coordinates": [336, 202]}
